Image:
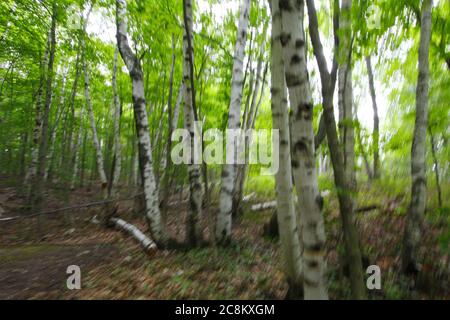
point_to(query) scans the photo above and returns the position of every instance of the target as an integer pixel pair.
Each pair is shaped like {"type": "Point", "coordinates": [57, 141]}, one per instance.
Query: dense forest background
{"type": "Point", "coordinates": [92, 91]}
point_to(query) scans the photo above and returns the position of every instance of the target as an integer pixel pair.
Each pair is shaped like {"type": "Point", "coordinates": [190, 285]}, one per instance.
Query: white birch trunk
{"type": "Point", "coordinates": [310, 221]}
{"type": "Point", "coordinates": [153, 213]}
{"type": "Point", "coordinates": [223, 223]}
{"type": "Point", "coordinates": [286, 215]}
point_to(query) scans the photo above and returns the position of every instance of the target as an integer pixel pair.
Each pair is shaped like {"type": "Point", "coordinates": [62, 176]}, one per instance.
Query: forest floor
{"type": "Point", "coordinates": [113, 265]}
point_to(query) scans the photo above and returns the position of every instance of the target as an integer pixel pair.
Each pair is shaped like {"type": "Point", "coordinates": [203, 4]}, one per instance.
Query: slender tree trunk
{"type": "Point", "coordinates": [167, 160]}
{"type": "Point", "coordinates": [31, 176]}
{"type": "Point", "coordinates": [48, 98]}
{"type": "Point", "coordinates": [413, 232]}
{"type": "Point", "coordinates": [76, 150]}
{"type": "Point", "coordinates": [59, 112]}
{"type": "Point", "coordinates": [303, 163]}
{"type": "Point", "coordinates": [117, 145]}
{"type": "Point", "coordinates": [246, 123]}
{"type": "Point", "coordinates": [68, 150]}
{"type": "Point", "coordinates": [223, 222]}
{"type": "Point", "coordinates": [96, 141]}
{"type": "Point", "coordinates": [362, 150]}
{"type": "Point", "coordinates": [345, 93]}
{"type": "Point", "coordinates": [436, 166]}
{"type": "Point", "coordinates": [153, 213]}
{"type": "Point", "coordinates": [342, 184]}
{"type": "Point", "coordinates": [193, 230]}
{"type": "Point", "coordinates": [286, 215]}
{"type": "Point", "coordinates": [376, 122]}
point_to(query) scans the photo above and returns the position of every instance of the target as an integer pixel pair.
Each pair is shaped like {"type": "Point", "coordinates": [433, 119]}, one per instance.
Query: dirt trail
{"type": "Point", "coordinates": [39, 271]}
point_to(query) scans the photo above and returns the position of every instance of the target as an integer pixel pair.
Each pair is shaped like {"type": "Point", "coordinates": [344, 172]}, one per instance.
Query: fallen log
{"type": "Point", "coordinates": [264, 206]}
{"type": "Point", "coordinates": [148, 244]}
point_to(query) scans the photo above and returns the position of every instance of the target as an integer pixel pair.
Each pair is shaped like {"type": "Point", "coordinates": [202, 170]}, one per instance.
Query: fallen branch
{"type": "Point", "coordinates": [86, 205]}
{"type": "Point", "coordinates": [264, 206]}
{"type": "Point", "coordinates": [248, 197]}
{"type": "Point", "coordinates": [146, 242]}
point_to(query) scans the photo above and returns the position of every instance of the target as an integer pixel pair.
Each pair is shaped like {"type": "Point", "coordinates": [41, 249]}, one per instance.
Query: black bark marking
{"type": "Point", "coordinates": [296, 59]}
{"type": "Point", "coordinates": [285, 5]}
{"type": "Point", "coordinates": [293, 80]}
{"type": "Point", "coordinates": [299, 43]}
{"type": "Point", "coordinates": [285, 38]}
{"type": "Point", "coordinates": [319, 200]}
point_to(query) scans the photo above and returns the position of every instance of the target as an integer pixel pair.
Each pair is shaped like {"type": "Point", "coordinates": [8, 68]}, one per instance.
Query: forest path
{"type": "Point", "coordinates": [39, 270]}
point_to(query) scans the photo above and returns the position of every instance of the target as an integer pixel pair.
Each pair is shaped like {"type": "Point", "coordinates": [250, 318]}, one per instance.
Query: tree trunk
{"type": "Point", "coordinates": [413, 232]}
{"type": "Point", "coordinates": [286, 215]}
{"type": "Point", "coordinates": [362, 149]}
{"type": "Point", "coordinates": [342, 184]}
{"type": "Point", "coordinates": [117, 145]}
{"type": "Point", "coordinates": [310, 221]}
{"type": "Point", "coordinates": [436, 166]}
{"type": "Point", "coordinates": [48, 103]}
{"type": "Point", "coordinates": [223, 223]}
{"type": "Point", "coordinates": [96, 141]}
{"type": "Point", "coordinates": [76, 150]}
{"type": "Point", "coordinates": [31, 176]}
{"type": "Point", "coordinates": [153, 213]}
{"type": "Point", "coordinates": [376, 122]}
{"type": "Point", "coordinates": [59, 112]}
{"type": "Point", "coordinates": [345, 93]}
{"type": "Point", "coordinates": [193, 230]}
{"type": "Point", "coordinates": [167, 160]}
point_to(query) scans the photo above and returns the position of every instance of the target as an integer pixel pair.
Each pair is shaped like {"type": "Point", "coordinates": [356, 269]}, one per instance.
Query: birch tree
{"type": "Point", "coordinates": [310, 221]}
{"type": "Point", "coordinates": [224, 216]}
{"type": "Point", "coordinates": [286, 214]}
{"type": "Point", "coordinates": [133, 65]}
{"type": "Point", "coordinates": [95, 139]}
{"type": "Point", "coordinates": [414, 219]}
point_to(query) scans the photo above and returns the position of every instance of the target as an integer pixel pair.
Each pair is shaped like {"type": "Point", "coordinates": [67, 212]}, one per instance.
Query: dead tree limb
{"type": "Point", "coordinates": [147, 243]}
